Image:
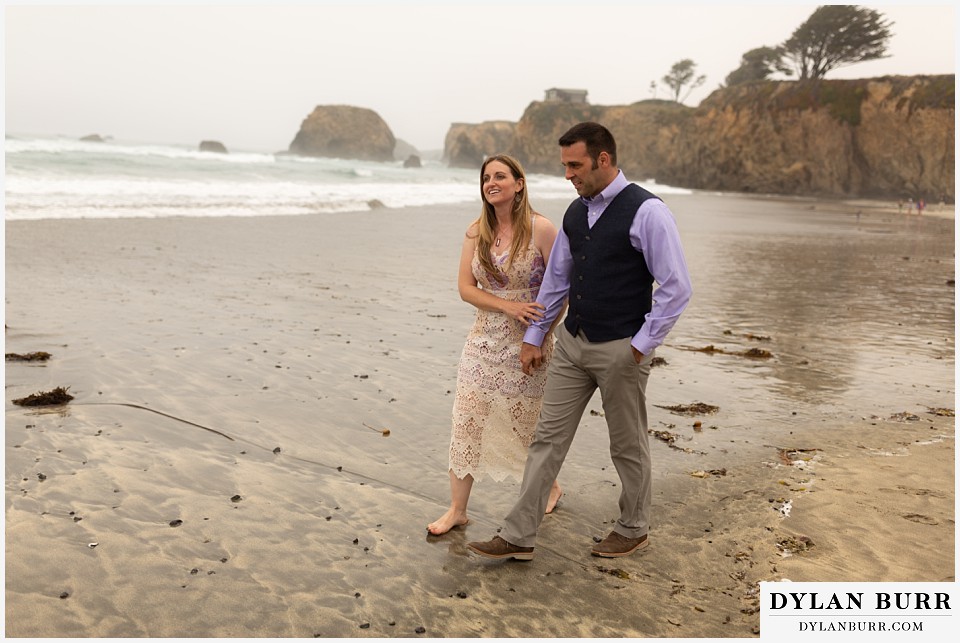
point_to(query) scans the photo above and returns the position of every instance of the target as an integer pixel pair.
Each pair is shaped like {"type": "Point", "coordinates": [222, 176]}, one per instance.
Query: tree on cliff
{"type": "Point", "coordinates": [837, 35]}
{"type": "Point", "coordinates": [758, 64]}
{"type": "Point", "coordinates": [682, 74]}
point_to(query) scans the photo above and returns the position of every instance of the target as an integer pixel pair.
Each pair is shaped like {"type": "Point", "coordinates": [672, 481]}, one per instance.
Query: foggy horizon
{"type": "Point", "coordinates": [248, 75]}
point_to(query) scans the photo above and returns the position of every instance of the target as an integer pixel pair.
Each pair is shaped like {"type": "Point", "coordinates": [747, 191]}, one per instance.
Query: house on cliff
{"type": "Point", "coordinates": [555, 95]}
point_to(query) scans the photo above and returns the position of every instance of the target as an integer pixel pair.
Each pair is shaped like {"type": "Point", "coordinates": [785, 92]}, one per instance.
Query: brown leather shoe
{"type": "Point", "coordinates": [616, 545]}
{"type": "Point", "coordinates": [500, 548]}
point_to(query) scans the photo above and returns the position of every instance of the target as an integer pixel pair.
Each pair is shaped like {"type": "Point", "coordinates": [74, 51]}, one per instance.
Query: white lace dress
{"type": "Point", "coordinates": [496, 409]}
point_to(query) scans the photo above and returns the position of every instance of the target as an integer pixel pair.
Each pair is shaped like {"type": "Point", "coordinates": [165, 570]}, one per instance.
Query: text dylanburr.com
{"type": "Point", "coordinates": [857, 611]}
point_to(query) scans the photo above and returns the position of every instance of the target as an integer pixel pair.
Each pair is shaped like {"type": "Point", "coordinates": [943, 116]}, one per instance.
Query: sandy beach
{"type": "Point", "coordinates": [224, 471]}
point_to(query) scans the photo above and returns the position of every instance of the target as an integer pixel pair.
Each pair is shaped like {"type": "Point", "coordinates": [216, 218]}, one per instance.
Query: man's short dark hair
{"type": "Point", "coordinates": [596, 137]}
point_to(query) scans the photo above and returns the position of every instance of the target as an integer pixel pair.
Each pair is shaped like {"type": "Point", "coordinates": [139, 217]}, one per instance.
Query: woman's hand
{"type": "Point", "coordinates": [525, 313]}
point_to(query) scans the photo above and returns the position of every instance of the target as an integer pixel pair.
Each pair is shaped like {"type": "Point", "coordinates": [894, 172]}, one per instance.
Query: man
{"type": "Point", "coordinates": [616, 240]}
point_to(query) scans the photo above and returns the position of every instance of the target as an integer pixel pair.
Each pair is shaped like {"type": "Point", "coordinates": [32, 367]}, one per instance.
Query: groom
{"type": "Point", "coordinates": [616, 240]}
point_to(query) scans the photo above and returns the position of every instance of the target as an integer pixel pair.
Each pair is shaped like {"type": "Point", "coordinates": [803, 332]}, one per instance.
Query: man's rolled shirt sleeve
{"type": "Point", "coordinates": [654, 233]}
{"type": "Point", "coordinates": [553, 290]}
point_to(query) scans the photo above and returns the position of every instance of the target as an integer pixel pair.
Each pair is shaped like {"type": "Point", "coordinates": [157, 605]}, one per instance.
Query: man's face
{"type": "Point", "coordinates": [588, 178]}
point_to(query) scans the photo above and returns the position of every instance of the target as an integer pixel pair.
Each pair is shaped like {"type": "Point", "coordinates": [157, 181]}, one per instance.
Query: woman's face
{"type": "Point", "coordinates": [498, 185]}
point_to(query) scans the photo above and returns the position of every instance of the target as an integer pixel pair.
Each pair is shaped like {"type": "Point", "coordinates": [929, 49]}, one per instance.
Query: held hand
{"type": "Point", "coordinates": [531, 357]}
{"type": "Point", "coordinates": [524, 313]}
{"type": "Point", "coordinates": [637, 355]}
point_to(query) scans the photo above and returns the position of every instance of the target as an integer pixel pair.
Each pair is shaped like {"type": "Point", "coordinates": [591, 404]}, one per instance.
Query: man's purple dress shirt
{"type": "Point", "coordinates": [654, 233]}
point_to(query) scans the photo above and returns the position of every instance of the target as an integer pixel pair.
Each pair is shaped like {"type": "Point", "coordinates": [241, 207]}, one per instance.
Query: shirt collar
{"type": "Point", "coordinates": [610, 192]}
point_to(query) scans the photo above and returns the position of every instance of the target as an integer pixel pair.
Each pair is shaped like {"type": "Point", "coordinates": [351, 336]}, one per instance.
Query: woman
{"type": "Point", "coordinates": [504, 256]}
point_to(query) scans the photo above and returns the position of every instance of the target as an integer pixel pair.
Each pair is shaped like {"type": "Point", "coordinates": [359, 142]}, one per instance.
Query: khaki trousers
{"type": "Point", "coordinates": [579, 368]}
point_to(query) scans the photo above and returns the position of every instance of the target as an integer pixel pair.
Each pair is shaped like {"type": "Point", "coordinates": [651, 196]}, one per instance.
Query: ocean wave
{"type": "Point", "coordinates": [208, 208]}
{"type": "Point", "coordinates": [35, 198]}
{"type": "Point", "coordinates": [74, 146]}
{"type": "Point", "coordinates": [69, 178]}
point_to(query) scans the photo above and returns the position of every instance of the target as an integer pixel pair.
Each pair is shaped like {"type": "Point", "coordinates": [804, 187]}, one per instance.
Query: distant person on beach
{"type": "Point", "coordinates": [502, 263]}
{"type": "Point", "coordinates": [615, 241]}
{"type": "Point", "coordinates": [910, 205]}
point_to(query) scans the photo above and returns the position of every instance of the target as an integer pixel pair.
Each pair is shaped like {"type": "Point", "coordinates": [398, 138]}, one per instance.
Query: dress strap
{"type": "Point", "coordinates": [533, 222]}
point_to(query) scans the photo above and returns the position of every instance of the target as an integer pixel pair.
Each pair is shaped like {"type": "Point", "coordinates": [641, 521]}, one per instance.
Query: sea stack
{"type": "Point", "coordinates": [342, 131]}
{"type": "Point", "coordinates": [213, 146]}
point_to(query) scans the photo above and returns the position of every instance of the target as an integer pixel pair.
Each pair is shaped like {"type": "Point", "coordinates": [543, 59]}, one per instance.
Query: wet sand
{"type": "Point", "coordinates": [222, 470]}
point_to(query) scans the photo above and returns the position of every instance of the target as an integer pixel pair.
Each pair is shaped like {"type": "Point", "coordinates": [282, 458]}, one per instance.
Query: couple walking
{"type": "Point", "coordinates": [520, 393]}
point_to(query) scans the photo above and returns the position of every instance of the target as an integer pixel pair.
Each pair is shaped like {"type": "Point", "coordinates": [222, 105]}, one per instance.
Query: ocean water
{"type": "Point", "coordinates": [63, 178]}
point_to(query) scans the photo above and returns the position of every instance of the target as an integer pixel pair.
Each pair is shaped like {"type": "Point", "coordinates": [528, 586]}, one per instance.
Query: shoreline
{"type": "Point", "coordinates": [300, 333]}
{"type": "Point", "coordinates": [839, 205]}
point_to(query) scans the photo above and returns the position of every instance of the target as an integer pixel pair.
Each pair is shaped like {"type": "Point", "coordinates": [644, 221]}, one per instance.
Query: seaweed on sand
{"type": "Point", "coordinates": [697, 408]}
{"type": "Point", "coordinates": [58, 395]}
{"type": "Point", "coordinates": [38, 356]}
{"type": "Point", "coordinates": [713, 350]}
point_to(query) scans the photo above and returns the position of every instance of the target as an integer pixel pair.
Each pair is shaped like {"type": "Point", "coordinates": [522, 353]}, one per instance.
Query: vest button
{"type": "Point", "coordinates": [579, 297]}
{"type": "Point", "coordinates": [583, 257]}
{"type": "Point", "coordinates": [580, 277]}
{"type": "Point", "coordinates": [588, 237]}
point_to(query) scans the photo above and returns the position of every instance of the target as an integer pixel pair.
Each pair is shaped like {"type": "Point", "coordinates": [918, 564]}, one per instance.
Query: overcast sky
{"type": "Point", "coordinates": [248, 75]}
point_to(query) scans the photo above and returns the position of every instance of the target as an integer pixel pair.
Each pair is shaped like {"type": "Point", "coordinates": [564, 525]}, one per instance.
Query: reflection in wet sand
{"type": "Point", "coordinates": [851, 307]}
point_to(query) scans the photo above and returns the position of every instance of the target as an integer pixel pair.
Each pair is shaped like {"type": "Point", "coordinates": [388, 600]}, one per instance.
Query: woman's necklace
{"type": "Point", "coordinates": [500, 234]}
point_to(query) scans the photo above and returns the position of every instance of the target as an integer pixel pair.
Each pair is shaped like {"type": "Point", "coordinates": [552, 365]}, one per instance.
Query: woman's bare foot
{"type": "Point", "coordinates": [448, 521]}
{"type": "Point", "coordinates": [555, 493]}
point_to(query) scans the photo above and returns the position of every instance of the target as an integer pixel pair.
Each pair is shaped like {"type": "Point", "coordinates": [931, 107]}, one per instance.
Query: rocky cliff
{"type": "Point", "coordinates": [886, 137]}
{"type": "Point", "coordinates": [342, 131]}
{"type": "Point", "coordinates": [467, 145]}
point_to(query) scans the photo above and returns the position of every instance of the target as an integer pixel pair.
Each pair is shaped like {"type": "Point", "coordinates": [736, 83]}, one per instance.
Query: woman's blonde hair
{"type": "Point", "coordinates": [520, 219]}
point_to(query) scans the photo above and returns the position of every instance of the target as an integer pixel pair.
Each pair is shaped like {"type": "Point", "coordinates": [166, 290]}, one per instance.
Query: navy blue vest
{"type": "Point", "coordinates": [611, 288]}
